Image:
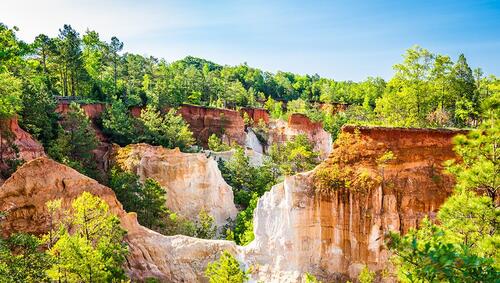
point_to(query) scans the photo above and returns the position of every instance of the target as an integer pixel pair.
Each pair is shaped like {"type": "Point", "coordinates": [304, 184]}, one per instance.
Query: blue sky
{"type": "Point", "coordinates": [337, 39]}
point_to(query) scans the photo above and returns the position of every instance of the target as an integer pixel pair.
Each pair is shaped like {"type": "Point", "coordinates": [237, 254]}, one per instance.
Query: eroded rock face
{"type": "Point", "coordinates": [28, 147]}
{"type": "Point", "coordinates": [204, 122]}
{"type": "Point", "coordinates": [170, 259]}
{"type": "Point", "coordinates": [192, 181]}
{"type": "Point", "coordinates": [256, 114]}
{"type": "Point", "coordinates": [335, 234]}
{"type": "Point", "coordinates": [280, 132]}
{"type": "Point", "coordinates": [93, 110]}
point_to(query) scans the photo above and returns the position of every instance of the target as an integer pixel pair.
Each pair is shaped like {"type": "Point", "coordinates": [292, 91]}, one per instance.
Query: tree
{"type": "Point", "coordinates": [10, 95]}
{"type": "Point", "coordinates": [225, 270]}
{"type": "Point", "coordinates": [76, 141]}
{"type": "Point", "coordinates": [297, 155]}
{"type": "Point", "coordinates": [216, 144]}
{"type": "Point", "coordinates": [147, 199]}
{"type": "Point", "coordinates": [38, 112]}
{"type": "Point", "coordinates": [22, 260]}
{"type": "Point", "coordinates": [90, 244]}
{"type": "Point", "coordinates": [205, 227]}
{"type": "Point", "coordinates": [243, 230]}
{"type": "Point", "coordinates": [426, 255]}
{"type": "Point", "coordinates": [407, 99]}
{"type": "Point", "coordinates": [118, 123]}
{"type": "Point", "coordinates": [464, 86]}
{"type": "Point", "coordinates": [169, 130]}
{"type": "Point", "coordinates": [115, 47]}
{"type": "Point", "coordinates": [152, 203]}
{"type": "Point", "coordinates": [70, 58]}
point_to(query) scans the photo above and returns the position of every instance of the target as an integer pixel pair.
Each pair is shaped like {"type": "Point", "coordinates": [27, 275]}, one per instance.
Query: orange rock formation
{"type": "Point", "coordinates": [280, 132]}
{"type": "Point", "coordinates": [335, 233]}
{"type": "Point", "coordinates": [171, 259]}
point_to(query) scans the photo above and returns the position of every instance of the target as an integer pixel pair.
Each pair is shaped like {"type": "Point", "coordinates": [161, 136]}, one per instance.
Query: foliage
{"type": "Point", "coordinates": [146, 199]}
{"type": "Point", "coordinates": [216, 144]}
{"type": "Point", "coordinates": [169, 130]}
{"type": "Point", "coordinates": [75, 141]}
{"type": "Point", "coordinates": [22, 260]}
{"type": "Point", "coordinates": [296, 155]}
{"type": "Point", "coordinates": [366, 276]}
{"type": "Point", "coordinates": [205, 227]}
{"type": "Point", "coordinates": [10, 95]}
{"type": "Point", "coordinates": [90, 243]}
{"type": "Point", "coordinates": [480, 154]}
{"type": "Point", "coordinates": [429, 90]}
{"type": "Point", "coordinates": [245, 178]}
{"type": "Point", "coordinates": [309, 278]}
{"type": "Point", "coordinates": [340, 173]}
{"type": "Point", "coordinates": [118, 124]}
{"type": "Point", "coordinates": [426, 255]}
{"type": "Point", "coordinates": [226, 269]}
{"type": "Point", "coordinates": [38, 111]}
{"type": "Point", "coordinates": [243, 230]}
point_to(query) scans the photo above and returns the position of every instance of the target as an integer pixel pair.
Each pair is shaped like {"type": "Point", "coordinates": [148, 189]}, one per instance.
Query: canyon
{"type": "Point", "coordinates": [298, 228]}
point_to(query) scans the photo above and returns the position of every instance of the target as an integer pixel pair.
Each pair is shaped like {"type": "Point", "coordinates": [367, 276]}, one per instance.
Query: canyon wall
{"type": "Point", "coordinates": [93, 110]}
{"type": "Point", "coordinates": [256, 114]}
{"type": "Point", "coordinates": [170, 259]}
{"type": "Point", "coordinates": [28, 147]}
{"type": "Point", "coordinates": [192, 181]}
{"type": "Point", "coordinates": [204, 122]}
{"type": "Point", "coordinates": [280, 132]}
{"type": "Point", "coordinates": [334, 233]}
{"type": "Point", "coordinates": [15, 143]}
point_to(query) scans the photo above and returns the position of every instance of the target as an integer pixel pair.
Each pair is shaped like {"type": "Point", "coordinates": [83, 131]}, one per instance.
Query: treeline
{"type": "Point", "coordinates": [427, 89]}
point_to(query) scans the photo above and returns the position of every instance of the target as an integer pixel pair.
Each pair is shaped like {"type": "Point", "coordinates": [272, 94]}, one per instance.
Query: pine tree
{"type": "Point", "coordinates": [90, 246]}
{"type": "Point", "coordinates": [225, 270]}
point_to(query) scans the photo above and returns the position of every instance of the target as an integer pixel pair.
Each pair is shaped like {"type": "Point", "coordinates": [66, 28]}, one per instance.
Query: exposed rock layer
{"type": "Point", "coordinates": [28, 147]}
{"type": "Point", "coordinates": [204, 122]}
{"type": "Point", "coordinates": [256, 114]}
{"type": "Point", "coordinates": [334, 234]}
{"type": "Point", "coordinates": [280, 132]}
{"type": "Point", "coordinates": [191, 180]}
{"type": "Point", "coordinates": [171, 259]}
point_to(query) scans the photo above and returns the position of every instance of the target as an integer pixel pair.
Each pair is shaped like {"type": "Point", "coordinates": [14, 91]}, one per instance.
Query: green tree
{"type": "Point", "coordinates": [70, 59]}
{"type": "Point", "coordinates": [205, 227]}
{"type": "Point", "coordinates": [90, 246]}
{"type": "Point", "coordinates": [408, 96]}
{"type": "Point", "coordinates": [118, 123]}
{"type": "Point", "coordinates": [22, 260]}
{"type": "Point", "coordinates": [464, 86]}
{"type": "Point", "coordinates": [216, 144]}
{"type": "Point", "coordinates": [366, 276]}
{"type": "Point", "coordinates": [76, 141]}
{"type": "Point", "coordinates": [169, 130]}
{"type": "Point", "coordinates": [296, 155]}
{"type": "Point", "coordinates": [147, 199]}
{"type": "Point", "coordinates": [38, 113]}
{"type": "Point", "coordinates": [151, 204]}
{"type": "Point", "coordinates": [225, 270]}
{"type": "Point", "coordinates": [10, 95]}
{"type": "Point", "coordinates": [115, 46]}
{"type": "Point", "coordinates": [243, 230]}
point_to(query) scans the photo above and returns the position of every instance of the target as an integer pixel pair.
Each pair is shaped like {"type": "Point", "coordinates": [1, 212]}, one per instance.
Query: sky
{"type": "Point", "coordinates": [343, 40]}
